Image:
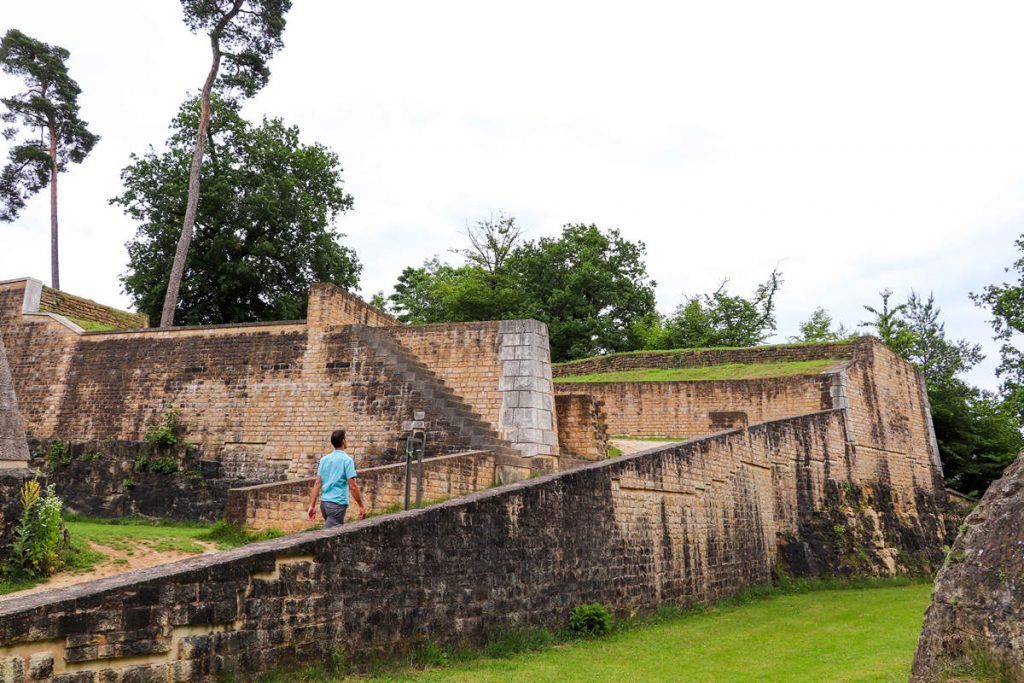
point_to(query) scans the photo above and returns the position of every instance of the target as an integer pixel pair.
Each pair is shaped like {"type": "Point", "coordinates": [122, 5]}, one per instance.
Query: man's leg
{"type": "Point", "coordinates": [334, 514]}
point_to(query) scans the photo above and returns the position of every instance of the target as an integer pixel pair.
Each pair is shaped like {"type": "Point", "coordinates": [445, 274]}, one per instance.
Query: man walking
{"type": "Point", "coordinates": [335, 475]}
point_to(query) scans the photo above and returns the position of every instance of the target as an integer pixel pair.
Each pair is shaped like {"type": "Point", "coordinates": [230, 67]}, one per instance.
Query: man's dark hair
{"type": "Point", "coordinates": [337, 437]}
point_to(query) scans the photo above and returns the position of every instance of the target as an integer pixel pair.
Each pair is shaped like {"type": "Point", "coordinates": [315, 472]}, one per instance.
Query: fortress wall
{"type": "Point", "coordinates": [283, 505]}
{"type": "Point", "coordinates": [582, 432]}
{"type": "Point", "coordinates": [695, 358]}
{"type": "Point", "coordinates": [332, 305]}
{"type": "Point", "coordinates": [683, 524]}
{"type": "Point", "coordinates": [259, 398]}
{"type": "Point", "coordinates": [501, 368]}
{"type": "Point", "coordinates": [464, 356]}
{"type": "Point", "coordinates": [62, 303]}
{"type": "Point", "coordinates": [697, 408]}
{"type": "Point", "coordinates": [888, 411]}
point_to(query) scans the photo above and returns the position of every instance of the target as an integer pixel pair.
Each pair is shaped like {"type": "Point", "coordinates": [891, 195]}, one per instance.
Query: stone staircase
{"type": "Point", "coordinates": [444, 403]}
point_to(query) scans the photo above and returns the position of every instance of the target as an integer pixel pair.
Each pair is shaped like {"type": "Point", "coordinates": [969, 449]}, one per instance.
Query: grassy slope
{"type": "Point", "coordinates": [835, 635]}
{"type": "Point", "coordinates": [726, 371]}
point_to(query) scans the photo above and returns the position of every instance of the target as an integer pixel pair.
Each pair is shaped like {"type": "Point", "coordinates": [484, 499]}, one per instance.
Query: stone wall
{"type": "Point", "coordinates": [262, 398]}
{"type": "Point", "coordinates": [329, 305]}
{"type": "Point", "coordinates": [582, 428]}
{"type": "Point", "coordinates": [283, 505]}
{"type": "Point", "coordinates": [62, 303]}
{"type": "Point", "coordinates": [682, 410]}
{"type": "Point", "coordinates": [13, 446]}
{"type": "Point", "coordinates": [685, 524]}
{"type": "Point", "coordinates": [116, 479]}
{"type": "Point", "coordinates": [501, 368]}
{"type": "Point", "coordinates": [696, 358]}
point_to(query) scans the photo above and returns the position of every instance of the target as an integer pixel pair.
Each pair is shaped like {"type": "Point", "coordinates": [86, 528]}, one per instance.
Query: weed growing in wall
{"type": "Point", "coordinates": [164, 465]}
{"type": "Point", "coordinates": [40, 537]}
{"type": "Point", "coordinates": [58, 456]}
{"type": "Point", "coordinates": [165, 433]}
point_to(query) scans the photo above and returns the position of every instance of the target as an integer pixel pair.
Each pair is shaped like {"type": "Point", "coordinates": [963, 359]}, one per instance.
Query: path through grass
{"type": "Point", "coordinates": [832, 635]}
{"type": "Point", "coordinates": [711, 372]}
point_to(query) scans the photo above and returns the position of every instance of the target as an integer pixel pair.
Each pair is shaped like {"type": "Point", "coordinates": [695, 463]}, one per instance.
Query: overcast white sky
{"type": "Point", "coordinates": [858, 145]}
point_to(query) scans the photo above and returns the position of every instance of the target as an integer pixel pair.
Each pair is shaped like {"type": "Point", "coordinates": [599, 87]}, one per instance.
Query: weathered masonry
{"type": "Point", "coordinates": [677, 525]}
{"type": "Point", "coordinates": [260, 398]}
{"type": "Point", "coordinates": [882, 395]}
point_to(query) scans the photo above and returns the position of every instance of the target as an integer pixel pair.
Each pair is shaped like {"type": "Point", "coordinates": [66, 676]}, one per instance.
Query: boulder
{"type": "Point", "coordinates": [977, 614]}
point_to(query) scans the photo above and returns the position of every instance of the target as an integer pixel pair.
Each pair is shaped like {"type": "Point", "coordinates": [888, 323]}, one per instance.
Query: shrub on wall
{"type": "Point", "coordinates": [39, 538]}
{"type": "Point", "coordinates": [165, 433]}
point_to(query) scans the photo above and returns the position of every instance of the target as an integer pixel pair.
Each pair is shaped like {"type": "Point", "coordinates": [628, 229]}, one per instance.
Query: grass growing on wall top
{"type": "Point", "coordinates": [90, 325]}
{"type": "Point", "coordinates": [711, 372]}
{"type": "Point", "coordinates": [765, 347]}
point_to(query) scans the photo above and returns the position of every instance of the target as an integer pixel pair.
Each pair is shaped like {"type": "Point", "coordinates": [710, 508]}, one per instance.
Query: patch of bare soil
{"type": "Point", "coordinates": [116, 562]}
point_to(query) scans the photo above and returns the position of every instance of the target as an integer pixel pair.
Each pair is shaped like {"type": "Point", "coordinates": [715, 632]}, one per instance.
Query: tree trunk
{"type": "Point", "coordinates": [54, 266]}
{"type": "Point", "coordinates": [181, 253]}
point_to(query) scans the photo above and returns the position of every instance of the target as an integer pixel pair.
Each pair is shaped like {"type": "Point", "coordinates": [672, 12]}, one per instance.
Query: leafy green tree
{"type": "Point", "coordinates": [1006, 303]}
{"type": "Point", "coordinates": [264, 227]}
{"type": "Point", "coordinates": [590, 287]}
{"type": "Point", "coordinates": [47, 107]}
{"type": "Point", "coordinates": [977, 435]}
{"type": "Point", "coordinates": [723, 319]}
{"type": "Point", "coordinates": [819, 328]}
{"type": "Point", "coordinates": [889, 324]}
{"type": "Point", "coordinates": [244, 34]}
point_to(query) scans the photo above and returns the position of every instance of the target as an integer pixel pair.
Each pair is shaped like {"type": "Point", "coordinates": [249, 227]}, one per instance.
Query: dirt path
{"type": "Point", "coordinates": [628, 446]}
{"type": "Point", "coordinates": [116, 562]}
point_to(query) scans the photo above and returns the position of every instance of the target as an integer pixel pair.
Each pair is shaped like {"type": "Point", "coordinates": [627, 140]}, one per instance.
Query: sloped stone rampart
{"type": "Point", "coordinates": [679, 525]}
{"type": "Point", "coordinates": [62, 303]}
{"type": "Point", "coordinates": [977, 612]}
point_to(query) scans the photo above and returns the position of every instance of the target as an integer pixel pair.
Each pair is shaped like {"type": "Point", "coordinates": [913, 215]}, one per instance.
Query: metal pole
{"type": "Point", "coordinates": [419, 467]}
{"type": "Point", "coordinates": [408, 468]}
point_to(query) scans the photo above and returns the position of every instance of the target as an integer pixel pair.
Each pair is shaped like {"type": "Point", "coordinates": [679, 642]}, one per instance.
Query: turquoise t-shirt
{"type": "Point", "coordinates": [334, 470]}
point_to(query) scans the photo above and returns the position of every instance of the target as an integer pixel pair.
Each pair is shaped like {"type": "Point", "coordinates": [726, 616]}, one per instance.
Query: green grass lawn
{"type": "Point", "coordinates": [129, 535]}
{"type": "Point", "coordinates": [711, 372]}
{"type": "Point", "coordinates": [846, 635]}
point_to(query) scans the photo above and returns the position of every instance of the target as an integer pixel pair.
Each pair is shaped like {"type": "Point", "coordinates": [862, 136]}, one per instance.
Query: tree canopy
{"type": "Point", "coordinates": [47, 106]}
{"type": "Point", "coordinates": [723, 319]}
{"type": "Point", "coordinates": [264, 228]}
{"type": "Point", "coordinates": [977, 435]}
{"type": "Point", "coordinates": [589, 286]}
{"type": "Point", "coordinates": [819, 328]}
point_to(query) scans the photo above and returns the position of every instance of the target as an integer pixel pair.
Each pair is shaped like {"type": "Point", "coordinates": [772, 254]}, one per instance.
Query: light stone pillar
{"type": "Point", "coordinates": [13, 446]}
{"type": "Point", "coordinates": [527, 394]}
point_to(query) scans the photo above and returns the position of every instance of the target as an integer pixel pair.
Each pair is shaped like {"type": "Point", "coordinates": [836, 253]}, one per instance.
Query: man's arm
{"type": "Point", "coordinates": [357, 497]}
{"type": "Point", "coordinates": [314, 493]}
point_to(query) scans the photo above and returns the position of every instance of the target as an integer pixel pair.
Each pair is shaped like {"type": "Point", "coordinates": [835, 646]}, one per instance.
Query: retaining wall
{"type": "Point", "coordinates": [683, 524]}
{"type": "Point", "coordinates": [696, 408]}
{"type": "Point", "coordinates": [283, 505]}
{"type": "Point", "coordinates": [582, 428]}
{"type": "Point", "coordinates": [116, 479]}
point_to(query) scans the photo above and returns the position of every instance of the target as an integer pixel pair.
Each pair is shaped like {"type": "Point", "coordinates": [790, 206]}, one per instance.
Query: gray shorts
{"type": "Point", "coordinates": [334, 514]}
